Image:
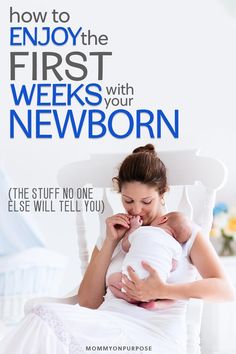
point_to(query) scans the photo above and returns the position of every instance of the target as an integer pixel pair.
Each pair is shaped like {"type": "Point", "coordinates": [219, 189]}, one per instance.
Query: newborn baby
{"type": "Point", "coordinates": [158, 244]}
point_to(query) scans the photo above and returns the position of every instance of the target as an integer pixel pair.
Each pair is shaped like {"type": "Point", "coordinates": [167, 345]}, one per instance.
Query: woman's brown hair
{"type": "Point", "coordinates": [143, 166]}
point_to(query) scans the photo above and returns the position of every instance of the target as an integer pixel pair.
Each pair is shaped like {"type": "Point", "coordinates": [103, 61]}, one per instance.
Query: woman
{"type": "Point", "coordinates": [103, 321]}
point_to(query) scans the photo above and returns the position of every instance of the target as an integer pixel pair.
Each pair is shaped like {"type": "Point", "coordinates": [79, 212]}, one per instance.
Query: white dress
{"type": "Point", "coordinates": [116, 327]}
{"type": "Point", "coordinates": [156, 247]}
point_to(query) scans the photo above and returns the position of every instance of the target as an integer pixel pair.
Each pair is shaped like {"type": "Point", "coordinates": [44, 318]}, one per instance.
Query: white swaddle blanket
{"type": "Point", "coordinates": [155, 246]}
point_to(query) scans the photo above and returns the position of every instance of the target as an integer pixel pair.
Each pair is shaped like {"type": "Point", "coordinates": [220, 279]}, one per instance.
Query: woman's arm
{"type": "Point", "coordinates": [214, 285]}
{"type": "Point", "coordinates": [92, 288]}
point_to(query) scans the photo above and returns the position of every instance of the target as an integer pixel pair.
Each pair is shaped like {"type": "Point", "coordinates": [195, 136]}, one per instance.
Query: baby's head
{"type": "Point", "coordinates": [175, 223]}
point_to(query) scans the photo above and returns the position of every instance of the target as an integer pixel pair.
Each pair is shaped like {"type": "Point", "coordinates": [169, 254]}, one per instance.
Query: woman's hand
{"type": "Point", "coordinates": [149, 289]}
{"type": "Point", "coordinates": [116, 226]}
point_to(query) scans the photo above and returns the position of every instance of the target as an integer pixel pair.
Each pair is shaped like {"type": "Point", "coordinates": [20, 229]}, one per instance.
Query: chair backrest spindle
{"type": "Point", "coordinates": [185, 205]}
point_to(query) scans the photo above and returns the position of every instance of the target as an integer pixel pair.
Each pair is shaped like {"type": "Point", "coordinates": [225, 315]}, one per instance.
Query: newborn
{"type": "Point", "coordinates": [158, 244]}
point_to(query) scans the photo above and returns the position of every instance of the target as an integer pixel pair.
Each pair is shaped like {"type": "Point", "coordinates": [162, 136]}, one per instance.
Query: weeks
{"type": "Point", "coordinates": [65, 94]}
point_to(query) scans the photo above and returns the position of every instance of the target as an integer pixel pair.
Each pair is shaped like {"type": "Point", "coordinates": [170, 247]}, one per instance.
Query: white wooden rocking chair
{"type": "Point", "coordinates": [186, 171]}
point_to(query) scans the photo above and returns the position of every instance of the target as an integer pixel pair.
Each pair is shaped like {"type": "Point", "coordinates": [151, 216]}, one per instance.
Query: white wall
{"type": "Point", "coordinates": [176, 54]}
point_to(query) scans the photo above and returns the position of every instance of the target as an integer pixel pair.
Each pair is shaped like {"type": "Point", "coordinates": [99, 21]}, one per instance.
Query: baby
{"type": "Point", "coordinates": [158, 244]}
